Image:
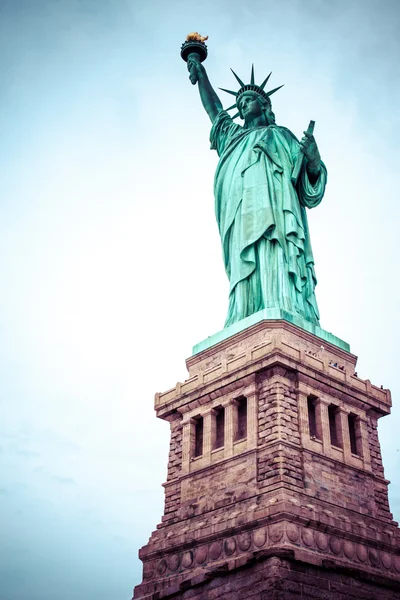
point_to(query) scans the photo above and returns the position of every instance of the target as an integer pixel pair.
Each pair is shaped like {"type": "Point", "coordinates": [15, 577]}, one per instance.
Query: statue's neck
{"type": "Point", "coordinates": [260, 121]}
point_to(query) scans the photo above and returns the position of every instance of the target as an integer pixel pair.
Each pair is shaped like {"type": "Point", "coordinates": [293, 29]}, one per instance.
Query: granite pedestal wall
{"type": "Point", "coordinates": [275, 485]}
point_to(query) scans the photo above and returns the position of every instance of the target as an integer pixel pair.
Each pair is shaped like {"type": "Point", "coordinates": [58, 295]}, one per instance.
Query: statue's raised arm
{"type": "Point", "coordinates": [209, 98]}
{"type": "Point", "coordinates": [194, 52]}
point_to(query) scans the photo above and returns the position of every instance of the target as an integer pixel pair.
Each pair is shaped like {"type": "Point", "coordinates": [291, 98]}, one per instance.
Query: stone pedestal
{"type": "Point", "coordinates": [275, 486]}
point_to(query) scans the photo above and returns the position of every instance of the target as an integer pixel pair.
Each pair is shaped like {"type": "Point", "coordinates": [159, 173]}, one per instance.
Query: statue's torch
{"type": "Point", "coordinates": [195, 47]}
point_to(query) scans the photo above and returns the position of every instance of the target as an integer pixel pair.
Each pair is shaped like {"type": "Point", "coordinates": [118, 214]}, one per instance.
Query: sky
{"type": "Point", "coordinates": [111, 266]}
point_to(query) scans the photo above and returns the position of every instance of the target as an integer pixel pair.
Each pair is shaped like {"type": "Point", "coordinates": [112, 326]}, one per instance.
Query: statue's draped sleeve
{"type": "Point", "coordinates": [222, 131]}
{"type": "Point", "coordinates": [310, 194]}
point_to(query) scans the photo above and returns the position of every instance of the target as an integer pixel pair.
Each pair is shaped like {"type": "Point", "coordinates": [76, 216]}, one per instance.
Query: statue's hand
{"type": "Point", "coordinates": [195, 68]}
{"type": "Point", "coordinates": [311, 152]}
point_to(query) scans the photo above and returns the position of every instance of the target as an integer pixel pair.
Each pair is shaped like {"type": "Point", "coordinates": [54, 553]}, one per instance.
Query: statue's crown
{"type": "Point", "coordinates": [250, 87]}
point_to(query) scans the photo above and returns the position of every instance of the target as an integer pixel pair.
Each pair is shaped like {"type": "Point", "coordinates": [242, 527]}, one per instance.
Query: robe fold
{"type": "Point", "coordinates": [262, 219]}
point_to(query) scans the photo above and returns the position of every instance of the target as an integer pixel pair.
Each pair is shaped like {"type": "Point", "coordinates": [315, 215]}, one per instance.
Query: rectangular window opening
{"type": "Point", "coordinates": [219, 438]}
{"type": "Point", "coordinates": [333, 425]}
{"type": "Point", "coordinates": [353, 431]}
{"type": "Point", "coordinates": [241, 431]}
{"type": "Point", "coordinates": [312, 417]}
{"type": "Point", "coordinates": [198, 436]}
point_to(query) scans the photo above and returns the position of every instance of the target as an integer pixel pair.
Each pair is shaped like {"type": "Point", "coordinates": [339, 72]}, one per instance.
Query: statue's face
{"type": "Point", "coordinates": [250, 106]}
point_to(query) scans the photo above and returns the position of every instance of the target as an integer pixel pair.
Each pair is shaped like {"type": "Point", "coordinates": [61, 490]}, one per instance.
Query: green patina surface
{"type": "Point", "coordinates": [265, 315]}
{"type": "Point", "coordinates": [265, 180]}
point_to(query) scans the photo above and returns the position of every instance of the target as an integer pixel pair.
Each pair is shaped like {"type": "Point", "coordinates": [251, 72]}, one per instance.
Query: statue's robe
{"type": "Point", "coordinates": [262, 219]}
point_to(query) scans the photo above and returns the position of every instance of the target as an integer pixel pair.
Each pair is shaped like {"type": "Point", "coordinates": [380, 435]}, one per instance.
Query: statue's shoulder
{"type": "Point", "coordinates": [286, 133]}
{"type": "Point", "coordinates": [224, 121]}
{"type": "Point", "coordinates": [224, 132]}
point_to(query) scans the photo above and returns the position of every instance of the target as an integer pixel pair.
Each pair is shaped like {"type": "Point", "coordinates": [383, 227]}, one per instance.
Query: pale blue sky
{"type": "Point", "coordinates": [111, 265]}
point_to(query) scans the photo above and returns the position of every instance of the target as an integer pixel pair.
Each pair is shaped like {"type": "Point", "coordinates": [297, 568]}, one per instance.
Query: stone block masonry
{"type": "Point", "coordinates": [275, 485]}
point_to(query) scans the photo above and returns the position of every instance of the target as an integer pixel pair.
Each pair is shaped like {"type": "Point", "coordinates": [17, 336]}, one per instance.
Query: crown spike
{"type": "Point", "coordinates": [238, 78]}
{"type": "Point", "coordinates": [234, 116]}
{"type": "Point", "coordinates": [252, 75]}
{"type": "Point", "coordinates": [274, 90]}
{"type": "Point", "coordinates": [230, 108]}
{"type": "Point", "coordinates": [264, 83]}
{"type": "Point", "coordinates": [228, 91]}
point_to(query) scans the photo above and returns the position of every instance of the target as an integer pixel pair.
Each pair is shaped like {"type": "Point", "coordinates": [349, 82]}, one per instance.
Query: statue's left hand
{"type": "Point", "coordinates": [311, 152]}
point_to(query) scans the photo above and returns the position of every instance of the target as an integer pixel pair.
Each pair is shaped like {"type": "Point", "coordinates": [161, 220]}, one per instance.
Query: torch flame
{"type": "Point", "coordinates": [196, 37]}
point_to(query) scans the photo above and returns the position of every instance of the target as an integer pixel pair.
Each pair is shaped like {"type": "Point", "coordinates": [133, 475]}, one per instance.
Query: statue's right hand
{"type": "Point", "coordinates": [195, 68]}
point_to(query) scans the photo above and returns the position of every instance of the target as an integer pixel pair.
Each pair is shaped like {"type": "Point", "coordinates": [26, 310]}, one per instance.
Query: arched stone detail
{"type": "Point", "coordinates": [260, 537]}
{"type": "Point", "coordinates": [321, 540]}
{"type": "Point", "coordinates": [229, 546]}
{"type": "Point", "coordinates": [373, 557]}
{"type": "Point", "coordinates": [161, 567]}
{"type": "Point", "coordinates": [275, 532]}
{"type": "Point", "coordinates": [292, 532]}
{"type": "Point", "coordinates": [244, 540]}
{"type": "Point", "coordinates": [215, 550]}
{"type": "Point", "coordinates": [348, 548]}
{"type": "Point", "coordinates": [386, 560]}
{"type": "Point", "coordinates": [362, 553]}
{"type": "Point", "coordinates": [187, 559]}
{"type": "Point", "coordinates": [174, 562]}
{"type": "Point", "coordinates": [148, 570]}
{"type": "Point", "coordinates": [335, 545]}
{"type": "Point", "coordinates": [396, 563]}
{"type": "Point", "coordinates": [307, 537]}
{"type": "Point", "coordinates": [201, 555]}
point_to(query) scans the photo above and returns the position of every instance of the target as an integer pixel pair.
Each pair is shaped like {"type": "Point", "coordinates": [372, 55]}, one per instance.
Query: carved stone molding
{"type": "Point", "coordinates": [283, 534]}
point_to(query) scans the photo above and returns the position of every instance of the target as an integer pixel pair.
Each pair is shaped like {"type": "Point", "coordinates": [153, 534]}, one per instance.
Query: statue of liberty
{"type": "Point", "coordinates": [259, 204]}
